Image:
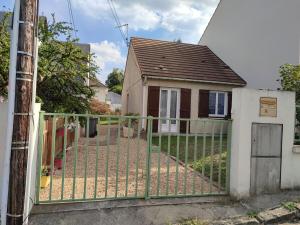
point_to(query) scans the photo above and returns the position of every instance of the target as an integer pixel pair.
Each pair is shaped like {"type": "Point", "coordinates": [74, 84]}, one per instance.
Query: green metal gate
{"type": "Point", "coordinates": [103, 157]}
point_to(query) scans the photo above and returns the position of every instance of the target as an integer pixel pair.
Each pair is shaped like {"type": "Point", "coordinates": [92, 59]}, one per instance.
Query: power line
{"type": "Point", "coordinates": [72, 17]}
{"type": "Point", "coordinates": [117, 20]}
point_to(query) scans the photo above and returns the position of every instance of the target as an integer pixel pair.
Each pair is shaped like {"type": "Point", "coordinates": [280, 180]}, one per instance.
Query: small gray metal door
{"type": "Point", "coordinates": [265, 158]}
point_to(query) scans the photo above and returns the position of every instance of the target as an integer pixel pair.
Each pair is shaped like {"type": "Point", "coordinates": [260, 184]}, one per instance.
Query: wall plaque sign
{"type": "Point", "coordinates": [268, 107]}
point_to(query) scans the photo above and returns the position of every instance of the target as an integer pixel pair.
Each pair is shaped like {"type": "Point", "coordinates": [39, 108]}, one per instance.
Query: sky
{"type": "Point", "coordinates": [156, 19]}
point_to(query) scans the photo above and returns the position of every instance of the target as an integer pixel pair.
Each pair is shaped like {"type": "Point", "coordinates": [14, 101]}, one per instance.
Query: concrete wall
{"type": "Point", "coordinates": [255, 37]}
{"type": "Point", "coordinates": [32, 154]}
{"type": "Point", "coordinates": [132, 86]}
{"type": "Point", "coordinates": [100, 93]}
{"type": "Point", "coordinates": [3, 122]}
{"type": "Point", "coordinates": [32, 162]}
{"type": "Point", "coordinates": [245, 111]}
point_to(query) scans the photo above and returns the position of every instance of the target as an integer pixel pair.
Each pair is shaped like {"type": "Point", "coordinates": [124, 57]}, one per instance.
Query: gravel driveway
{"type": "Point", "coordinates": [134, 152]}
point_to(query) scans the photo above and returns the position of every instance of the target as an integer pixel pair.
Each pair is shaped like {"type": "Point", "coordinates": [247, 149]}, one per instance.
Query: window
{"type": "Point", "coordinates": [218, 103]}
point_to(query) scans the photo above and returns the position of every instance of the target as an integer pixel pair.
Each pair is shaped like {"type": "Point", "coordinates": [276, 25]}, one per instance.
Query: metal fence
{"type": "Point", "coordinates": [297, 126]}
{"type": "Point", "coordinates": [125, 157]}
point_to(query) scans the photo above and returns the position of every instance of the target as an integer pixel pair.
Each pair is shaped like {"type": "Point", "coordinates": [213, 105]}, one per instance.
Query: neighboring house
{"type": "Point", "coordinates": [176, 80]}
{"type": "Point", "coordinates": [255, 38]}
{"type": "Point", "coordinates": [100, 90]}
{"type": "Point", "coordinates": [114, 100]}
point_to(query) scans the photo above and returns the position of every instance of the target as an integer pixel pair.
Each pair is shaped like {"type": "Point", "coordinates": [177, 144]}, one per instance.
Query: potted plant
{"type": "Point", "coordinates": [58, 161]}
{"type": "Point", "coordinates": [45, 178]}
{"type": "Point", "coordinates": [129, 125]}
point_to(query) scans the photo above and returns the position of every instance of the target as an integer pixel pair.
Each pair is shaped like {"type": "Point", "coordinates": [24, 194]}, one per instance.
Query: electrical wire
{"type": "Point", "coordinates": [72, 17]}
{"type": "Point", "coordinates": [117, 20]}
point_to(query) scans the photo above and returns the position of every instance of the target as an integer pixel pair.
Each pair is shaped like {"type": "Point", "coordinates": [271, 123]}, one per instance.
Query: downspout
{"type": "Point", "coordinates": [11, 106]}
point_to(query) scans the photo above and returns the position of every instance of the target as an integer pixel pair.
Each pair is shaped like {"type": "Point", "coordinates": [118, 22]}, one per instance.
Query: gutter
{"type": "Point", "coordinates": [191, 80]}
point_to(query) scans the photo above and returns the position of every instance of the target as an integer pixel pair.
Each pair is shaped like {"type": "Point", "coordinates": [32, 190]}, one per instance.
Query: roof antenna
{"type": "Point", "coordinates": [126, 38]}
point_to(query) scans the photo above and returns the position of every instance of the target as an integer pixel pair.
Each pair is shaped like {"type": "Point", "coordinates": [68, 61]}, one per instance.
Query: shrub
{"type": "Point", "coordinates": [97, 107]}
{"type": "Point", "coordinates": [206, 162]}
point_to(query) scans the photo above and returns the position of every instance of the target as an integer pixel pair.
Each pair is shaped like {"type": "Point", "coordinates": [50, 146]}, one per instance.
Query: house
{"type": "Point", "coordinates": [99, 88]}
{"type": "Point", "coordinates": [114, 100]}
{"type": "Point", "coordinates": [255, 38]}
{"type": "Point", "coordinates": [176, 80]}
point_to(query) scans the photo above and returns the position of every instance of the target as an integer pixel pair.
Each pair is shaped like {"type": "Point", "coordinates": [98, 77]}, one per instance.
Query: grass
{"type": "Point", "coordinates": [211, 155]}
{"type": "Point", "coordinates": [193, 222]}
{"type": "Point", "coordinates": [105, 121]}
{"type": "Point", "coordinates": [291, 206]}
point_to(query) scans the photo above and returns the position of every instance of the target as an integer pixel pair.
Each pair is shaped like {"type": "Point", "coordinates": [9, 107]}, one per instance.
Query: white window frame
{"type": "Point", "coordinates": [216, 104]}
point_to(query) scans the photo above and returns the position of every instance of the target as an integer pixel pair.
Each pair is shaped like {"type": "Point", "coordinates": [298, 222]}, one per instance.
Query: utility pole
{"type": "Point", "coordinates": [25, 66]}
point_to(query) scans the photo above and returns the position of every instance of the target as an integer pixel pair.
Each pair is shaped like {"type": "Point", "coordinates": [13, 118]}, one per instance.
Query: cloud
{"type": "Point", "coordinates": [187, 18]}
{"type": "Point", "coordinates": [108, 55]}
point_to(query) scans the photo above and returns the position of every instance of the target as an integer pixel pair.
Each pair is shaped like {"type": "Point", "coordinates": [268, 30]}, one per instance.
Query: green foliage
{"type": "Point", "coordinates": [115, 80]}
{"type": "Point", "coordinates": [252, 214]}
{"type": "Point", "coordinates": [290, 79]}
{"type": "Point", "coordinates": [214, 160]}
{"type": "Point", "coordinates": [291, 206]}
{"type": "Point", "coordinates": [63, 69]}
{"type": "Point", "coordinates": [4, 54]}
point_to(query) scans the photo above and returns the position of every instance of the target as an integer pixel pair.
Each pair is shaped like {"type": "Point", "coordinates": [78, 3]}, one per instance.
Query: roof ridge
{"type": "Point", "coordinates": [158, 40]}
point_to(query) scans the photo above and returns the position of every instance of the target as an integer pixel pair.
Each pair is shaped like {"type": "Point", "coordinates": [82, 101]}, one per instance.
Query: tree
{"type": "Point", "coordinates": [115, 80]}
{"type": "Point", "coordinates": [63, 69]}
{"type": "Point", "coordinates": [4, 54]}
{"type": "Point", "coordinates": [290, 79]}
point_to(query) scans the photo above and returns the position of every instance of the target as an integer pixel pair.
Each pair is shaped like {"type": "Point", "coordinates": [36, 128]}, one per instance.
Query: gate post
{"type": "Point", "coordinates": [39, 155]}
{"type": "Point", "coordinates": [148, 162]}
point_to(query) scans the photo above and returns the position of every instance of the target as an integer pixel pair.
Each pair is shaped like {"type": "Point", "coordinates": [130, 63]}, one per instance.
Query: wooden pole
{"type": "Point", "coordinates": [22, 110]}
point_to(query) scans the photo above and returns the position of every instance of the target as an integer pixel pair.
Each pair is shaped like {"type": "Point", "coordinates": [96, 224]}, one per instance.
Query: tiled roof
{"type": "Point", "coordinates": [184, 61]}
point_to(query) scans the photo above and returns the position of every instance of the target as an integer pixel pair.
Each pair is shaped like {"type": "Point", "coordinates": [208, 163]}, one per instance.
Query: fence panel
{"type": "Point", "coordinates": [103, 157]}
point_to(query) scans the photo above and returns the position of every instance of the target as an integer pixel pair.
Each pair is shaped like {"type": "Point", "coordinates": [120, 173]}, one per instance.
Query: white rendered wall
{"type": "Point", "coordinates": [255, 38]}
{"type": "Point", "coordinates": [245, 111]}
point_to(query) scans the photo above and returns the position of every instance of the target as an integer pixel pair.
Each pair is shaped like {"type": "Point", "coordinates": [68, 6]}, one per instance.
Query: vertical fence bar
{"type": "Point", "coordinates": [186, 155]}
{"type": "Point", "coordinates": [148, 162]}
{"type": "Point", "coordinates": [97, 157]}
{"type": "Point", "coordinates": [107, 156]}
{"type": "Point", "coordinates": [228, 155]}
{"type": "Point", "coordinates": [220, 156]}
{"type": "Point", "coordinates": [64, 158]}
{"type": "Point", "coordinates": [75, 156]}
{"type": "Point", "coordinates": [177, 162]}
{"type": "Point", "coordinates": [87, 130]}
{"type": "Point", "coordinates": [137, 157]}
{"type": "Point", "coordinates": [158, 159]}
{"type": "Point", "coordinates": [52, 155]}
{"type": "Point", "coordinates": [168, 160]}
{"type": "Point", "coordinates": [127, 156]}
{"type": "Point", "coordinates": [203, 156]}
{"type": "Point", "coordinates": [40, 156]}
{"type": "Point", "coordinates": [195, 155]}
{"type": "Point", "coordinates": [212, 156]}
{"type": "Point", "coordinates": [118, 158]}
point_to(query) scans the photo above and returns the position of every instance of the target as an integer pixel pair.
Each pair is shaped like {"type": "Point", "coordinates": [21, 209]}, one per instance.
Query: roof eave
{"type": "Point", "coordinates": [198, 81]}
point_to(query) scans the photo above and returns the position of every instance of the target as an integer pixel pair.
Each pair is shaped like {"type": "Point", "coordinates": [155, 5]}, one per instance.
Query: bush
{"type": "Point", "coordinates": [205, 163]}
{"type": "Point", "coordinates": [100, 108]}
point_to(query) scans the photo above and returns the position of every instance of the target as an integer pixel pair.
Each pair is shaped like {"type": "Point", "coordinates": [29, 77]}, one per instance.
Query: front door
{"type": "Point", "coordinates": [169, 108]}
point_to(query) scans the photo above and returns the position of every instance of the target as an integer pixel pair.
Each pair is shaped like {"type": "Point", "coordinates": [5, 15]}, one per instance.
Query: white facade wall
{"type": "Point", "coordinates": [100, 93]}
{"type": "Point", "coordinates": [255, 38]}
{"type": "Point", "coordinates": [245, 111]}
{"type": "Point", "coordinates": [32, 154]}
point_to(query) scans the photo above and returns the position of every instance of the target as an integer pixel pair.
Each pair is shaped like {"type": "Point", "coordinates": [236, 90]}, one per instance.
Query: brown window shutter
{"type": "Point", "coordinates": [203, 103]}
{"type": "Point", "coordinates": [153, 105]}
{"type": "Point", "coordinates": [185, 107]}
{"type": "Point", "coordinates": [229, 104]}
